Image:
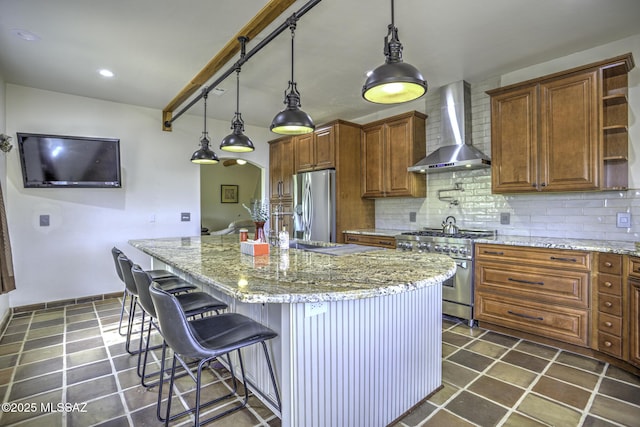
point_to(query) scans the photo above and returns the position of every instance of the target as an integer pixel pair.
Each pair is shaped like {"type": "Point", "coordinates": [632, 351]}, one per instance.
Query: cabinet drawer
{"type": "Point", "coordinates": [371, 240]}
{"type": "Point", "coordinates": [634, 267]}
{"type": "Point", "coordinates": [610, 263]}
{"type": "Point", "coordinates": [565, 324]}
{"type": "Point", "coordinates": [610, 284]}
{"type": "Point", "coordinates": [610, 304]}
{"type": "Point", "coordinates": [555, 258]}
{"type": "Point", "coordinates": [610, 324]}
{"type": "Point", "coordinates": [610, 344]}
{"type": "Point", "coordinates": [569, 288]}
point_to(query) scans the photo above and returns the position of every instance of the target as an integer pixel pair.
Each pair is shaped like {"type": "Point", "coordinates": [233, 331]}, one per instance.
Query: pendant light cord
{"type": "Point", "coordinates": [292, 25]}
{"type": "Point", "coordinates": [204, 96]}
{"type": "Point", "coordinates": [392, 14]}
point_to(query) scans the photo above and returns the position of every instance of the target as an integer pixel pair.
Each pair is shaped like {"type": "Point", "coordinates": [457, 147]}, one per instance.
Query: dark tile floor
{"type": "Point", "coordinates": [67, 367]}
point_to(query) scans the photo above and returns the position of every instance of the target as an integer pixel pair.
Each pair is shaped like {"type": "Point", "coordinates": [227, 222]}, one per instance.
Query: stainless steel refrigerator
{"type": "Point", "coordinates": [314, 205]}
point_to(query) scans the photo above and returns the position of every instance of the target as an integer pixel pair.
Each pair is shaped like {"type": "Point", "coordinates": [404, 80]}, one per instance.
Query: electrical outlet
{"type": "Point", "coordinates": [44, 220]}
{"type": "Point", "coordinates": [623, 220]}
{"type": "Point", "coordinates": [505, 218]}
{"type": "Point", "coordinates": [185, 216]}
{"type": "Point", "coordinates": [412, 217]}
{"type": "Point", "coordinates": [314, 308]}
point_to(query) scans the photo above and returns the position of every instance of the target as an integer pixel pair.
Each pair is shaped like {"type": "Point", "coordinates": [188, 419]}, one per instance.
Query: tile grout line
{"type": "Point", "coordinates": [15, 369]}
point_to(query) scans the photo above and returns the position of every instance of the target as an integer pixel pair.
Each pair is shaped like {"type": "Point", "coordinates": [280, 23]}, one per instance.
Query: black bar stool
{"type": "Point", "coordinates": [155, 275]}
{"type": "Point", "coordinates": [205, 339]}
{"type": "Point", "coordinates": [192, 304]}
{"type": "Point", "coordinates": [171, 284]}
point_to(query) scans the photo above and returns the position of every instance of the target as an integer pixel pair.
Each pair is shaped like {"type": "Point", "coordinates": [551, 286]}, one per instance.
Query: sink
{"type": "Point", "coordinates": [331, 248]}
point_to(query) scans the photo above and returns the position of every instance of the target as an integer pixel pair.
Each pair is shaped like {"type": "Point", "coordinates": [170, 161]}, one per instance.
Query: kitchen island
{"type": "Point", "coordinates": [359, 335]}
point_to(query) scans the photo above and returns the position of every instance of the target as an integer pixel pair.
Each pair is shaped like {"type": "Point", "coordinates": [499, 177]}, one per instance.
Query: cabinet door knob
{"type": "Point", "coordinates": [608, 324]}
{"type": "Point", "coordinates": [608, 304]}
{"type": "Point", "coordinates": [607, 284]}
{"type": "Point", "coordinates": [608, 264]}
{"type": "Point", "coordinates": [607, 344]}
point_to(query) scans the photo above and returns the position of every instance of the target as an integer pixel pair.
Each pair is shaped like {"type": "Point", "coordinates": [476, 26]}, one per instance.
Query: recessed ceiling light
{"type": "Point", "coordinates": [105, 73]}
{"type": "Point", "coordinates": [25, 35]}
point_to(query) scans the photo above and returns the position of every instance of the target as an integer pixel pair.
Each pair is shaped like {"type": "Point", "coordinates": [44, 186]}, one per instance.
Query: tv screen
{"type": "Point", "coordinates": [69, 161]}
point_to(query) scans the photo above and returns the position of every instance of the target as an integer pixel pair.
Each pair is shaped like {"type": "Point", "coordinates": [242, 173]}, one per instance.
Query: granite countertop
{"type": "Point", "coordinates": [297, 276]}
{"type": "Point", "coordinates": [608, 246]}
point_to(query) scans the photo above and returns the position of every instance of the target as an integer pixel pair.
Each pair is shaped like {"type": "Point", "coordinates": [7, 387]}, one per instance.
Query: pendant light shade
{"type": "Point", "coordinates": [204, 155]}
{"type": "Point", "coordinates": [237, 141]}
{"type": "Point", "coordinates": [394, 81]}
{"type": "Point", "coordinates": [292, 120]}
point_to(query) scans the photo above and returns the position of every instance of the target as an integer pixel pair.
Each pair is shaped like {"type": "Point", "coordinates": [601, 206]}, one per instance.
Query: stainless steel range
{"type": "Point", "coordinates": [457, 292]}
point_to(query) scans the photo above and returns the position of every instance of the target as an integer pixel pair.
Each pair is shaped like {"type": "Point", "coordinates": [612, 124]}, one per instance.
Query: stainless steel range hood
{"type": "Point", "coordinates": [457, 153]}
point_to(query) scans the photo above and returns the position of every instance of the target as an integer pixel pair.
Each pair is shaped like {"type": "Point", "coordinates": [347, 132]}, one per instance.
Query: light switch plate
{"type": "Point", "coordinates": [44, 220]}
{"type": "Point", "coordinates": [623, 220]}
{"type": "Point", "coordinates": [505, 218]}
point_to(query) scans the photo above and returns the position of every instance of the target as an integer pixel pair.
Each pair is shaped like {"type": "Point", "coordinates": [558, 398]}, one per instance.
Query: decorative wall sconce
{"type": "Point", "coordinates": [5, 145]}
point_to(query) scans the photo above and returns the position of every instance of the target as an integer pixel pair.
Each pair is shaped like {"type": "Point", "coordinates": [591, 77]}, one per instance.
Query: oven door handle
{"type": "Point", "coordinates": [461, 264]}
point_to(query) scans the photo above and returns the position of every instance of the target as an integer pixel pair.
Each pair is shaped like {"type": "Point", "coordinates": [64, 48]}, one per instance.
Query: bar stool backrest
{"type": "Point", "coordinates": [125, 268]}
{"type": "Point", "coordinates": [115, 252]}
{"type": "Point", "coordinates": [143, 280]}
{"type": "Point", "coordinates": [174, 324]}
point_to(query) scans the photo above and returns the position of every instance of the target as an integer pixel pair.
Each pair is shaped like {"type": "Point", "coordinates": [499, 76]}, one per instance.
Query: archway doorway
{"type": "Point", "coordinates": [224, 187]}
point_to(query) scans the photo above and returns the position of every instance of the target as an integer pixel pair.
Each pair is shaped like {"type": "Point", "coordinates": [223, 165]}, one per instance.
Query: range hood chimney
{"type": "Point", "coordinates": [455, 132]}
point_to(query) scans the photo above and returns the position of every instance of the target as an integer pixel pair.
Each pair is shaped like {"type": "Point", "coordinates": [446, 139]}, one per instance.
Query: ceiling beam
{"type": "Point", "coordinates": [272, 10]}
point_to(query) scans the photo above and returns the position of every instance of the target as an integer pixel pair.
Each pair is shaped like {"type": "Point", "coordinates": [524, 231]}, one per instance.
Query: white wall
{"type": "Point", "coordinates": [4, 299]}
{"type": "Point", "coordinates": [589, 215]}
{"type": "Point", "coordinates": [71, 258]}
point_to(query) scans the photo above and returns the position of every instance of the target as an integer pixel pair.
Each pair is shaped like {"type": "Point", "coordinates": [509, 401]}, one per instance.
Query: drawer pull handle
{"type": "Point", "coordinates": [607, 344]}
{"type": "Point", "coordinates": [608, 304]}
{"type": "Point", "coordinates": [608, 324]}
{"type": "Point", "coordinates": [526, 316]}
{"type": "Point", "coordinates": [608, 264]}
{"type": "Point", "coordinates": [493, 253]}
{"type": "Point", "coordinates": [382, 242]}
{"type": "Point", "coordinates": [526, 282]}
{"type": "Point", "coordinates": [607, 284]}
{"type": "Point", "coordinates": [555, 258]}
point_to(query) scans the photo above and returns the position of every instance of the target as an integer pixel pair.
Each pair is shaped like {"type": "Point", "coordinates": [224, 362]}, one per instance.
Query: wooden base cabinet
{"type": "Point", "coordinates": [534, 290]}
{"type": "Point", "coordinates": [370, 240]}
{"type": "Point", "coordinates": [608, 309]}
{"type": "Point", "coordinates": [634, 310]}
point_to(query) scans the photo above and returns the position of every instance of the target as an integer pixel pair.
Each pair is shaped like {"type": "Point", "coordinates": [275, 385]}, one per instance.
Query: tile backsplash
{"type": "Point", "coordinates": [583, 215]}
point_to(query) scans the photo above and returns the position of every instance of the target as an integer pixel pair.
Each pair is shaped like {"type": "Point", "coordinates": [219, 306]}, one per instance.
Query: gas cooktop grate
{"type": "Point", "coordinates": [462, 234]}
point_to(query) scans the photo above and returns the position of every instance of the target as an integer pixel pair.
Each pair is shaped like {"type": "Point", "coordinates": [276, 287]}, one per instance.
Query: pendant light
{"type": "Point", "coordinates": [394, 81]}
{"type": "Point", "coordinates": [292, 120]}
{"type": "Point", "coordinates": [204, 155]}
{"type": "Point", "coordinates": [237, 141]}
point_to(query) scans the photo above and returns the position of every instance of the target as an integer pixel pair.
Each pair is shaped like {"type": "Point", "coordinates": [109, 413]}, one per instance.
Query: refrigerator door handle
{"type": "Point", "coordinates": [307, 206]}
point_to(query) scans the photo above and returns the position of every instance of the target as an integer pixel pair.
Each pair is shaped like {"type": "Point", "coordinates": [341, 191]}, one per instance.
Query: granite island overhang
{"type": "Point", "coordinates": [359, 335]}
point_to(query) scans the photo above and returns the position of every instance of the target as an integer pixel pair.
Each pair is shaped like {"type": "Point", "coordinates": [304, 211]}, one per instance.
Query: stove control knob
{"type": "Point", "coordinates": [454, 250]}
{"type": "Point", "coordinates": [445, 249]}
{"type": "Point", "coordinates": [422, 246]}
{"type": "Point", "coordinates": [463, 251]}
{"type": "Point", "coordinates": [436, 248]}
{"type": "Point", "coordinates": [427, 246]}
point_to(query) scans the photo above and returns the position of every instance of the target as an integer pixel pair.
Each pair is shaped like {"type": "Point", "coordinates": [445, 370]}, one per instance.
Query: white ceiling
{"type": "Point", "coordinates": [155, 47]}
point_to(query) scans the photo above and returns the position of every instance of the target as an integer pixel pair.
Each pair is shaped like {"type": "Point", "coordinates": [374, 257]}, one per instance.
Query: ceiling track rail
{"type": "Point", "coordinates": [168, 117]}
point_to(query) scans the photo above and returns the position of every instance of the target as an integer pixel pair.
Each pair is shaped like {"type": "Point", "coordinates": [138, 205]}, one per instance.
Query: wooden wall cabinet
{"type": "Point", "coordinates": [389, 147]}
{"type": "Point", "coordinates": [562, 132]}
{"type": "Point", "coordinates": [281, 163]}
{"type": "Point", "coordinates": [316, 150]}
{"type": "Point", "coordinates": [539, 291]}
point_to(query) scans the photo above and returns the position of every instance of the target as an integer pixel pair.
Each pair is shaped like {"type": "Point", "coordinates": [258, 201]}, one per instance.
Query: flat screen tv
{"type": "Point", "coordinates": [54, 161]}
